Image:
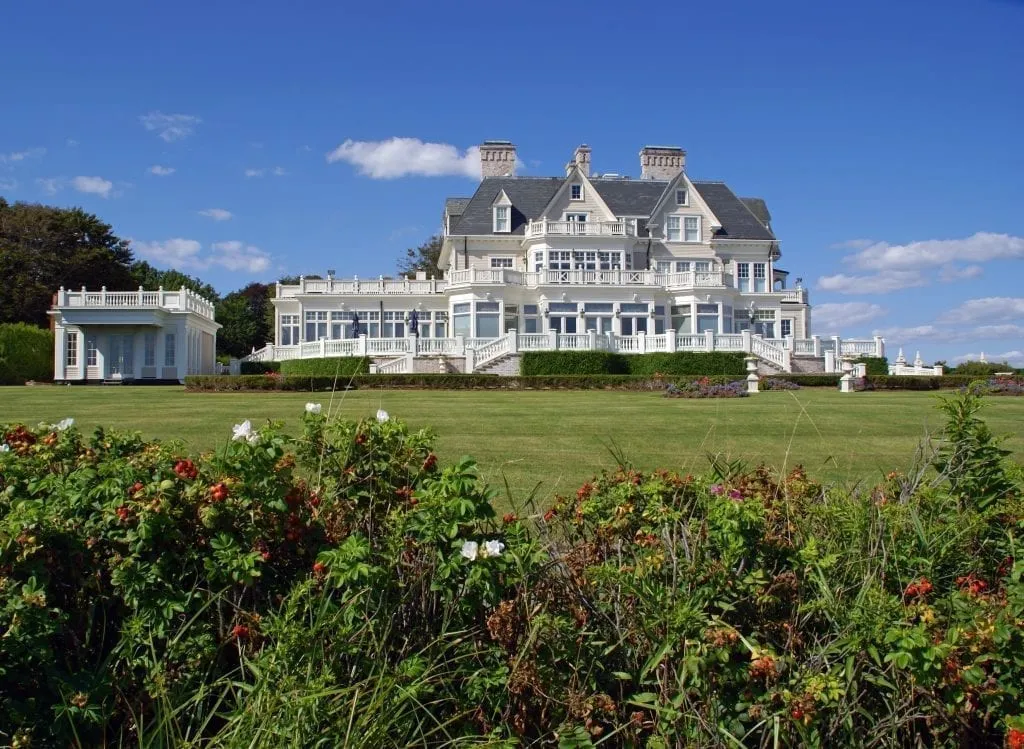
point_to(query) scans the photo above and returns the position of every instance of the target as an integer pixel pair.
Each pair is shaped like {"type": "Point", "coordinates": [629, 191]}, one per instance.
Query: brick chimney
{"type": "Point", "coordinates": [497, 158]}
{"type": "Point", "coordinates": [581, 159]}
{"type": "Point", "coordinates": [661, 162]}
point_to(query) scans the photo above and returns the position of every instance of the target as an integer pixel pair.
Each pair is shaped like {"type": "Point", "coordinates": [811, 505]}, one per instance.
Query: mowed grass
{"type": "Point", "coordinates": [557, 438]}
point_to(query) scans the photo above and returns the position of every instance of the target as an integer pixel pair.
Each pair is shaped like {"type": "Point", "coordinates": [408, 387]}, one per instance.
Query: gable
{"type": "Point", "coordinates": [737, 220]}
{"type": "Point", "coordinates": [590, 201]}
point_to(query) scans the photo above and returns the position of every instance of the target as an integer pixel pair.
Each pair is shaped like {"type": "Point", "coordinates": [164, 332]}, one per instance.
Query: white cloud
{"type": "Point", "coordinates": [235, 255]}
{"type": "Point", "coordinates": [1014, 358]}
{"type": "Point", "coordinates": [161, 171]}
{"type": "Point", "coordinates": [170, 127]}
{"type": "Point", "coordinates": [833, 318]}
{"type": "Point", "coordinates": [186, 254]}
{"type": "Point", "coordinates": [880, 283]}
{"type": "Point", "coordinates": [71, 142]}
{"type": "Point", "coordinates": [51, 185]}
{"type": "Point", "coordinates": [980, 247]}
{"type": "Point", "coordinates": [950, 273]}
{"type": "Point", "coordinates": [254, 172]}
{"type": "Point", "coordinates": [999, 331]}
{"type": "Point", "coordinates": [30, 153]}
{"type": "Point", "coordinates": [987, 310]}
{"type": "Point", "coordinates": [401, 157]}
{"type": "Point", "coordinates": [178, 252]}
{"type": "Point", "coordinates": [217, 214]}
{"type": "Point", "coordinates": [8, 184]}
{"type": "Point", "coordinates": [93, 186]}
{"type": "Point", "coordinates": [279, 171]}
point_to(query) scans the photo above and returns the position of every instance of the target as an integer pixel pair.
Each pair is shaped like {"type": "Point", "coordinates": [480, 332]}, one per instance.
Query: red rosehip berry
{"type": "Point", "coordinates": [319, 568]}
{"type": "Point", "coordinates": [240, 632]}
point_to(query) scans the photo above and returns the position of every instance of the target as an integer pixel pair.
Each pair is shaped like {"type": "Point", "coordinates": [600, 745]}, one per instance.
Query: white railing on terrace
{"type": "Point", "coordinates": [794, 295]}
{"type": "Point", "coordinates": [372, 286]}
{"type": "Point", "coordinates": [580, 228]}
{"type": "Point", "coordinates": [401, 365]}
{"type": "Point", "coordinates": [178, 300]}
{"type": "Point", "coordinates": [480, 351]}
{"type": "Point", "coordinates": [497, 276]}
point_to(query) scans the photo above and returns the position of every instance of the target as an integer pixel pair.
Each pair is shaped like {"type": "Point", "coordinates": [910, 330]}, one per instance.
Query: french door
{"type": "Point", "coordinates": [121, 357]}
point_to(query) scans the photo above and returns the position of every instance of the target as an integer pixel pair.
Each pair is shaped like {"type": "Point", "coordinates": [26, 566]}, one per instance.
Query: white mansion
{"type": "Point", "coordinates": [579, 261]}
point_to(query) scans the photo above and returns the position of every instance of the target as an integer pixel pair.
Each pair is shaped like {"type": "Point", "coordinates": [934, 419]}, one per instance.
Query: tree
{"type": "Point", "coordinates": [423, 258]}
{"type": "Point", "coordinates": [145, 275]}
{"type": "Point", "coordinates": [247, 318]}
{"type": "Point", "coordinates": [43, 248]}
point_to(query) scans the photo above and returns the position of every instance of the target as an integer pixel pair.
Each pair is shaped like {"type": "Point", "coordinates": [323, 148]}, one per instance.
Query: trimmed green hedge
{"type": "Point", "coordinates": [329, 367]}
{"type": "Point", "coordinates": [260, 367]}
{"type": "Point", "coordinates": [911, 382]}
{"type": "Point", "coordinates": [877, 365]}
{"type": "Point", "coordinates": [225, 383]}
{"type": "Point", "coordinates": [26, 353]}
{"type": "Point", "coordinates": [682, 363]}
{"type": "Point", "coordinates": [820, 380]}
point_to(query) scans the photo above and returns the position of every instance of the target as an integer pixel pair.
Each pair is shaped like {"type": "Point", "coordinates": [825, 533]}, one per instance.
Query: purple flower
{"type": "Point", "coordinates": [735, 494]}
{"type": "Point", "coordinates": [717, 489]}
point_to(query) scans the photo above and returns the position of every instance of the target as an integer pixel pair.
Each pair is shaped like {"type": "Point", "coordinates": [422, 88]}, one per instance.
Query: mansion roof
{"type": "Point", "coordinates": [741, 218]}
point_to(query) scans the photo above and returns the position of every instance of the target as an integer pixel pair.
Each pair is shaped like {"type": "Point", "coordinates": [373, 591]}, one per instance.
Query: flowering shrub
{"type": "Point", "coordinates": [774, 383]}
{"type": "Point", "coordinates": [705, 388]}
{"type": "Point", "coordinates": [345, 586]}
{"type": "Point", "coordinates": [1004, 385]}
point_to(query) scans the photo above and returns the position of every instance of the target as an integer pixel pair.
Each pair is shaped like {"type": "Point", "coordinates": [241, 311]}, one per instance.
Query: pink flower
{"type": "Point", "coordinates": [717, 489]}
{"type": "Point", "coordinates": [735, 494]}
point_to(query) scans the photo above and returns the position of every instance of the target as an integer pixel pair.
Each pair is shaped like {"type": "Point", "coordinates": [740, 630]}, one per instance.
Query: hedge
{"type": "Point", "coordinates": [911, 382]}
{"type": "Point", "coordinates": [260, 367]}
{"type": "Point", "coordinates": [223, 383]}
{"type": "Point", "coordinates": [876, 365]}
{"type": "Point", "coordinates": [329, 367]}
{"type": "Point", "coordinates": [26, 353]}
{"type": "Point", "coordinates": [682, 363]}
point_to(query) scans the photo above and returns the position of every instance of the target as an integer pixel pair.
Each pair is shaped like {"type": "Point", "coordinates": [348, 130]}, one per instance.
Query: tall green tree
{"type": "Point", "coordinates": [423, 258]}
{"type": "Point", "coordinates": [145, 275]}
{"type": "Point", "coordinates": [247, 318]}
{"type": "Point", "coordinates": [43, 248]}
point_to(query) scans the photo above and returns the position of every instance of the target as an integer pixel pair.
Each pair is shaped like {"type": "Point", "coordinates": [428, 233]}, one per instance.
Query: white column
{"type": "Point", "coordinates": [460, 345]}
{"type": "Point", "coordinates": [670, 339]}
{"type": "Point", "coordinates": [746, 340]}
{"type": "Point", "coordinates": [513, 341]}
{"type": "Point", "coordinates": [816, 340]}
{"type": "Point", "coordinates": [709, 340]}
{"type": "Point", "coordinates": [641, 342]}
{"type": "Point", "coordinates": [362, 344]}
{"type": "Point", "coordinates": [837, 344]}
{"type": "Point", "coordinates": [592, 340]}
{"type": "Point", "coordinates": [552, 340]}
{"type": "Point", "coordinates": [879, 346]}
{"type": "Point", "coordinates": [59, 342]}
{"type": "Point", "coordinates": [323, 347]}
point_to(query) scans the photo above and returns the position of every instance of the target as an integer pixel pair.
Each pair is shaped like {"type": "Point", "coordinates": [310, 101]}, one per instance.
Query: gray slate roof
{"type": "Point", "coordinates": [456, 206]}
{"type": "Point", "coordinates": [625, 197]}
{"type": "Point", "coordinates": [759, 208]}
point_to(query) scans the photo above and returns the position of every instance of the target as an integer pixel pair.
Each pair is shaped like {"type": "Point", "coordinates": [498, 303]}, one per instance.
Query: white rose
{"type": "Point", "coordinates": [313, 408]}
{"type": "Point", "coordinates": [382, 415]}
{"type": "Point", "coordinates": [470, 549]}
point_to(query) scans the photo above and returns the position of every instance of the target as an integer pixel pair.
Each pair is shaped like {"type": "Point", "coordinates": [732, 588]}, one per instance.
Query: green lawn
{"type": "Point", "coordinates": [558, 437]}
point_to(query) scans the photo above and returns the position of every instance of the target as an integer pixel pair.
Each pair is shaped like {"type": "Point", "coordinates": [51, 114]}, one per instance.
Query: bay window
{"type": "Point", "coordinates": [461, 320]}
{"type": "Point", "coordinates": [487, 322]}
{"type": "Point", "coordinates": [707, 318]}
{"type": "Point", "coordinates": [682, 319]}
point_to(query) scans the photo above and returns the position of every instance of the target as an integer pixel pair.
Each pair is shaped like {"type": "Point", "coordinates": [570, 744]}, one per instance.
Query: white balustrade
{"type": "Point", "coordinates": [387, 346]}
{"type": "Point", "coordinates": [624, 343]}
{"type": "Point", "coordinates": [401, 365]}
{"type": "Point", "coordinates": [437, 346]}
{"type": "Point", "coordinates": [574, 341]}
{"type": "Point", "coordinates": [729, 342]}
{"type": "Point", "coordinates": [687, 342]}
{"type": "Point", "coordinates": [177, 300]}
{"type": "Point", "coordinates": [534, 342]}
{"type": "Point", "coordinates": [803, 346]}
{"type": "Point", "coordinates": [657, 342]}
{"type": "Point", "coordinates": [768, 351]}
{"type": "Point", "coordinates": [580, 228]}
{"type": "Point", "coordinates": [858, 347]}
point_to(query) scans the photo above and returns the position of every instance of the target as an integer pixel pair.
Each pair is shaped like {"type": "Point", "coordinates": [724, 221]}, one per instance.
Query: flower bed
{"type": "Point", "coordinates": [344, 586]}
{"type": "Point", "coordinates": [774, 383]}
{"type": "Point", "coordinates": [705, 388]}
{"type": "Point", "coordinates": [1005, 385]}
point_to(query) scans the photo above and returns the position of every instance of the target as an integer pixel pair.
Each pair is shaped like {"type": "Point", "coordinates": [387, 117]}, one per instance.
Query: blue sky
{"type": "Point", "coordinates": [885, 136]}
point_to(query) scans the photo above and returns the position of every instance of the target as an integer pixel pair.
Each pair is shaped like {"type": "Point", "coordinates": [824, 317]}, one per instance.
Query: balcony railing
{"type": "Point", "coordinates": [579, 277]}
{"type": "Point", "coordinates": [794, 295]}
{"type": "Point", "coordinates": [372, 286]}
{"type": "Point", "coordinates": [544, 228]}
{"type": "Point", "coordinates": [179, 300]}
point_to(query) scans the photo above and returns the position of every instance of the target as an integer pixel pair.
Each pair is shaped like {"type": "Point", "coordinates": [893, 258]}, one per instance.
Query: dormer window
{"type": "Point", "coordinates": [501, 219]}
{"type": "Point", "coordinates": [682, 196]}
{"type": "Point", "coordinates": [576, 191]}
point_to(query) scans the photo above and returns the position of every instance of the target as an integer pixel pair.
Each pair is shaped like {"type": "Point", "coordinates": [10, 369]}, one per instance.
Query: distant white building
{"type": "Point", "coordinates": [132, 336]}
